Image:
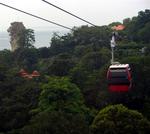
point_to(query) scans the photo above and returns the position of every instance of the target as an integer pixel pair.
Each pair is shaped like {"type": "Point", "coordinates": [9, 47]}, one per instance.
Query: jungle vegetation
{"type": "Point", "coordinates": [71, 95]}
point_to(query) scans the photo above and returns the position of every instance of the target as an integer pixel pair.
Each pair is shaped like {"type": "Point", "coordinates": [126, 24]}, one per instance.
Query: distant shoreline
{"type": "Point", "coordinates": [42, 39]}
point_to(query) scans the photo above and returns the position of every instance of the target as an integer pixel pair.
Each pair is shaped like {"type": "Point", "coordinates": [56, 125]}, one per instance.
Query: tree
{"type": "Point", "coordinates": [26, 58]}
{"type": "Point", "coordinates": [144, 33]}
{"type": "Point", "coordinates": [61, 44]}
{"type": "Point", "coordinates": [27, 38]}
{"type": "Point", "coordinates": [140, 74]}
{"type": "Point", "coordinates": [6, 58]}
{"type": "Point", "coordinates": [126, 21]}
{"type": "Point", "coordinates": [114, 24]}
{"type": "Point", "coordinates": [17, 97]}
{"type": "Point", "coordinates": [61, 109]}
{"type": "Point", "coordinates": [117, 119]}
{"type": "Point", "coordinates": [60, 65]}
{"type": "Point", "coordinates": [44, 52]}
{"type": "Point", "coordinates": [137, 28]}
{"type": "Point", "coordinates": [94, 60]}
{"type": "Point", "coordinates": [99, 36]}
{"type": "Point", "coordinates": [143, 17]}
{"type": "Point", "coordinates": [56, 123]}
{"type": "Point", "coordinates": [79, 76]}
{"type": "Point", "coordinates": [59, 94]}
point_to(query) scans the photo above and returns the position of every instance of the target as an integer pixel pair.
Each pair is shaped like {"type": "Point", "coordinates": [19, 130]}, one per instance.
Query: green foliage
{"type": "Point", "coordinates": [78, 75]}
{"type": "Point", "coordinates": [61, 95]}
{"type": "Point", "coordinates": [61, 44]}
{"type": "Point", "coordinates": [26, 58]}
{"type": "Point", "coordinates": [61, 109]}
{"type": "Point", "coordinates": [92, 61]}
{"type": "Point", "coordinates": [79, 51]}
{"type": "Point", "coordinates": [85, 69]}
{"type": "Point", "coordinates": [27, 38]}
{"type": "Point", "coordinates": [56, 123]}
{"type": "Point", "coordinates": [17, 97]}
{"type": "Point", "coordinates": [144, 33]}
{"type": "Point", "coordinates": [6, 58]}
{"type": "Point", "coordinates": [61, 65]}
{"type": "Point", "coordinates": [126, 21]}
{"type": "Point", "coordinates": [44, 52]}
{"type": "Point", "coordinates": [114, 24]}
{"type": "Point", "coordinates": [85, 35]}
{"type": "Point", "coordinates": [141, 78]}
{"type": "Point", "coordinates": [137, 29]}
{"type": "Point", "coordinates": [117, 119]}
{"type": "Point", "coordinates": [83, 56]}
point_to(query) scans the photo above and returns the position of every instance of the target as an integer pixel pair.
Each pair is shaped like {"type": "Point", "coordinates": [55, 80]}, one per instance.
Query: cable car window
{"type": "Point", "coordinates": [118, 73]}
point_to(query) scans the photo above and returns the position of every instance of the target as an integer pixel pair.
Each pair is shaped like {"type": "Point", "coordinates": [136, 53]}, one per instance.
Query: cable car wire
{"type": "Point", "coordinates": [69, 13]}
{"type": "Point", "coordinates": [38, 17]}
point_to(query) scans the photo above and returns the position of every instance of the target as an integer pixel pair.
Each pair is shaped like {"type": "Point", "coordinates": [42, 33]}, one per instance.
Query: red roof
{"type": "Point", "coordinates": [23, 73]}
{"type": "Point", "coordinates": [35, 73]}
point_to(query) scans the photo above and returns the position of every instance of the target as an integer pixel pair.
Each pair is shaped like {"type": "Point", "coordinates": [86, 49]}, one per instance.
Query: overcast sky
{"type": "Point", "coordinates": [98, 12]}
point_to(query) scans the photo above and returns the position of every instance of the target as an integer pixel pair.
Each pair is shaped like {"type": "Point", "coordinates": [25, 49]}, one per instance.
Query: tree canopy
{"type": "Point", "coordinates": [72, 86]}
{"type": "Point", "coordinates": [117, 119]}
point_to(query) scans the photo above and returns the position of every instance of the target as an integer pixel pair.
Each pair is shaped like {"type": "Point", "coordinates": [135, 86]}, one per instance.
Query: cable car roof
{"type": "Point", "coordinates": [119, 66]}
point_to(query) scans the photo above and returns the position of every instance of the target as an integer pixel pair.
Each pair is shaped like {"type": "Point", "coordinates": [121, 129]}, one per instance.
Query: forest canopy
{"type": "Point", "coordinates": [70, 93]}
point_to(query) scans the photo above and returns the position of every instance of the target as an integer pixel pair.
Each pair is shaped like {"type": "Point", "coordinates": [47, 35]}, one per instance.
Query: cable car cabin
{"type": "Point", "coordinates": [119, 78]}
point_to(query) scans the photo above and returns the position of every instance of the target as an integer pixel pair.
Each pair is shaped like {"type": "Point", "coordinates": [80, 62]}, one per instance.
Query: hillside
{"type": "Point", "coordinates": [71, 95]}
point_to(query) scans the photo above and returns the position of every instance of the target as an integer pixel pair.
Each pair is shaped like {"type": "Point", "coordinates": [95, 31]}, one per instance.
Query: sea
{"type": "Point", "coordinates": [42, 39]}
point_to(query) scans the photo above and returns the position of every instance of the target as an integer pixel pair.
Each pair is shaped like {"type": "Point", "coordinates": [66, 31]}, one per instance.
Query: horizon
{"type": "Point", "coordinates": [42, 39]}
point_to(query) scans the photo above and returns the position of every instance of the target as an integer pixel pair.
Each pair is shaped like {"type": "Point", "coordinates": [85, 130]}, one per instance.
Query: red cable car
{"type": "Point", "coordinates": [119, 78]}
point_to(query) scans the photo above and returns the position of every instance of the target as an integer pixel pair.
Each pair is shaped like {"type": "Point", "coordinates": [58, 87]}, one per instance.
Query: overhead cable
{"type": "Point", "coordinates": [68, 13]}
{"type": "Point", "coordinates": [35, 16]}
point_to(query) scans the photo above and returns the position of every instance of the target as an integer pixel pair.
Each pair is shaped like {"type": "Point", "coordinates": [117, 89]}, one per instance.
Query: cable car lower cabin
{"type": "Point", "coordinates": [119, 78]}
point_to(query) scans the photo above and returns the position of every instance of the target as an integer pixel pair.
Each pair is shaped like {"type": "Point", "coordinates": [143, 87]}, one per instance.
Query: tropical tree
{"type": "Point", "coordinates": [99, 36]}
{"type": "Point", "coordinates": [26, 58]}
{"type": "Point", "coordinates": [118, 119]}
{"type": "Point", "coordinates": [137, 28]}
{"type": "Point", "coordinates": [56, 123]}
{"type": "Point", "coordinates": [27, 38]}
{"type": "Point", "coordinates": [61, 109]}
{"type": "Point", "coordinates": [17, 97]}
{"type": "Point", "coordinates": [60, 94]}
{"type": "Point", "coordinates": [60, 65]}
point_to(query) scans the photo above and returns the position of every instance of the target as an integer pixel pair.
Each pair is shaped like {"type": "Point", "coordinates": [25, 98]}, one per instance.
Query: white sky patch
{"type": "Point", "coordinates": [98, 12]}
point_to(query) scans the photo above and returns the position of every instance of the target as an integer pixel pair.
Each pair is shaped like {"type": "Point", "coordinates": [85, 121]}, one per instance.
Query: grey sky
{"type": "Point", "coordinates": [99, 12]}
